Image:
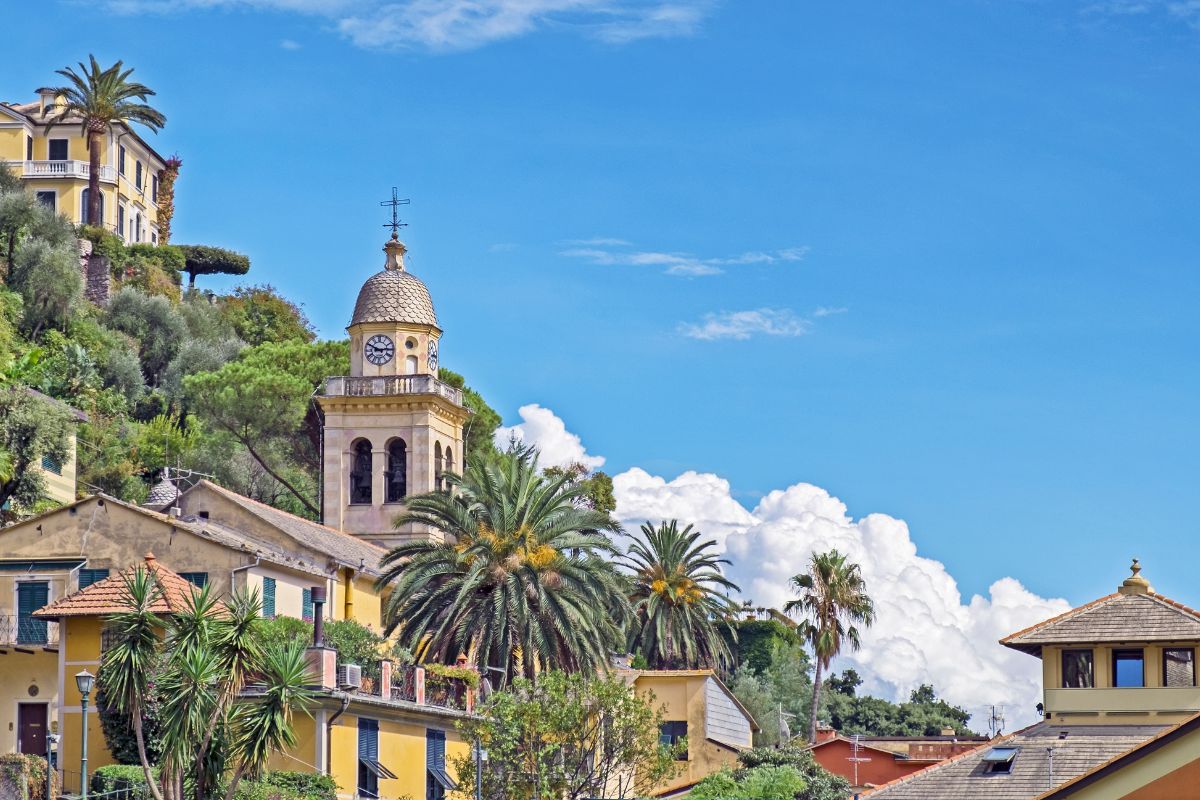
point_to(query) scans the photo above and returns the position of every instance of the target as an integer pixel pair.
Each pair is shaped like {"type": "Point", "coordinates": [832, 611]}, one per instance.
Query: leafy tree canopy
{"type": "Point", "coordinates": [260, 315]}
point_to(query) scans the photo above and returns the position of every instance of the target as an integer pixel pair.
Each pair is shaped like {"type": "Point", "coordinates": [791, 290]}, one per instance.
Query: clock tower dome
{"type": "Point", "coordinates": [391, 428]}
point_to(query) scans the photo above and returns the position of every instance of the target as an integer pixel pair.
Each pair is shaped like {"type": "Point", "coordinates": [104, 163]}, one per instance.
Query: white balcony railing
{"type": "Point", "coordinates": [346, 386]}
{"type": "Point", "coordinates": [62, 169]}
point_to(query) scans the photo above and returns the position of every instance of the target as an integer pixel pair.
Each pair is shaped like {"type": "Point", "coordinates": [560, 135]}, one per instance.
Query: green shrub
{"type": "Point", "coordinates": [167, 256]}
{"type": "Point", "coordinates": [307, 784]}
{"type": "Point", "coordinates": [18, 770]}
{"type": "Point", "coordinates": [261, 790]}
{"type": "Point", "coordinates": [104, 243]}
{"type": "Point", "coordinates": [128, 780]}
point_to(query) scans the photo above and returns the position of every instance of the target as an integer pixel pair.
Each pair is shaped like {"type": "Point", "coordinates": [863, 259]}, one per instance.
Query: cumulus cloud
{"type": "Point", "coordinates": [289, 44]}
{"type": "Point", "coordinates": [453, 25]}
{"type": "Point", "coordinates": [542, 428]}
{"type": "Point", "coordinates": [925, 631]}
{"type": "Point", "coordinates": [607, 252]}
{"type": "Point", "coordinates": [746, 324]}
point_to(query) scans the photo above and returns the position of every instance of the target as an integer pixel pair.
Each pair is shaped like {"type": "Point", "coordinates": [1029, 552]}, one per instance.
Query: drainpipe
{"type": "Point", "coordinates": [233, 572]}
{"type": "Point", "coordinates": [329, 734]}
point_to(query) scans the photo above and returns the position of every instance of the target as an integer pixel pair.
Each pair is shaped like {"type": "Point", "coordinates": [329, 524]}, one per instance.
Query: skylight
{"type": "Point", "coordinates": [999, 760]}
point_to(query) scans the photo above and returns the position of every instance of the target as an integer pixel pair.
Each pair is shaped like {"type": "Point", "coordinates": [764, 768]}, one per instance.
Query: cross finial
{"type": "Point", "coordinates": [395, 203]}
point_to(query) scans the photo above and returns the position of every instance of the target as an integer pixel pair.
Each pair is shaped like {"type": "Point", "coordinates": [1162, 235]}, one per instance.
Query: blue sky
{"type": "Point", "coordinates": [959, 238]}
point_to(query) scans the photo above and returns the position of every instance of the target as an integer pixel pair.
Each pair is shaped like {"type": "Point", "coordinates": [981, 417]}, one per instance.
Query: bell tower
{"type": "Point", "coordinates": [391, 428]}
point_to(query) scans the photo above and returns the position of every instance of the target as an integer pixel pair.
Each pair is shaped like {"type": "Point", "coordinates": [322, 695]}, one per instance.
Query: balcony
{"type": "Point", "coordinates": [19, 632]}
{"type": "Point", "coordinates": [61, 169]}
{"type": "Point", "coordinates": [409, 683]}
{"type": "Point", "coordinates": [391, 385]}
{"type": "Point", "coordinates": [1147, 700]}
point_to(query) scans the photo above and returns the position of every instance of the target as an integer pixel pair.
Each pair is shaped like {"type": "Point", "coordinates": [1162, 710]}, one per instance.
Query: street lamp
{"type": "Point", "coordinates": [84, 681]}
{"type": "Point", "coordinates": [480, 757]}
{"type": "Point", "coordinates": [51, 742]}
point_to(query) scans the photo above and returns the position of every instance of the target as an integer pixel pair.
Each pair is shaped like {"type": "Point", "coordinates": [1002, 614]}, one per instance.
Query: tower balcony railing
{"type": "Point", "coordinates": [62, 169]}
{"type": "Point", "coordinates": [390, 385]}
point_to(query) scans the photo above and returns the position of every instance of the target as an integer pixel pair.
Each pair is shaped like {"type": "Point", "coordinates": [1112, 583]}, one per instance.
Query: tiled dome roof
{"type": "Point", "coordinates": [394, 295]}
{"type": "Point", "coordinates": [164, 494]}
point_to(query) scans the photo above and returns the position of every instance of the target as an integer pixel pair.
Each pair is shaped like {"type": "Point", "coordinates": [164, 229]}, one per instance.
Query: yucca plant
{"type": "Point", "coordinates": [679, 609]}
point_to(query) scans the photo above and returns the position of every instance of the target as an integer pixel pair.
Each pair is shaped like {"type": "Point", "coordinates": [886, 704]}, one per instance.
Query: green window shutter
{"type": "Point", "coordinates": [268, 598]}
{"type": "Point", "coordinates": [306, 612]}
{"type": "Point", "coordinates": [31, 597]}
{"type": "Point", "coordinates": [89, 576]}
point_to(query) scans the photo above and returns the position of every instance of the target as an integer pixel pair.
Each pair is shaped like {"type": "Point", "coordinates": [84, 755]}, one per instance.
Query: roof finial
{"type": "Point", "coordinates": [1135, 583]}
{"type": "Point", "coordinates": [394, 248]}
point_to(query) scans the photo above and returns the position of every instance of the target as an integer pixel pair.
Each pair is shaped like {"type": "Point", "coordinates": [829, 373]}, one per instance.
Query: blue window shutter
{"type": "Point", "coordinates": [368, 739]}
{"type": "Point", "coordinates": [268, 597]}
{"type": "Point", "coordinates": [197, 579]}
{"type": "Point", "coordinates": [306, 611]}
{"type": "Point", "coordinates": [89, 576]}
{"type": "Point", "coordinates": [435, 749]}
{"type": "Point", "coordinates": [31, 597]}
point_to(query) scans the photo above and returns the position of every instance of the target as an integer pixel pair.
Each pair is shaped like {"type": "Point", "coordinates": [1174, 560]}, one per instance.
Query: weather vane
{"type": "Point", "coordinates": [395, 203]}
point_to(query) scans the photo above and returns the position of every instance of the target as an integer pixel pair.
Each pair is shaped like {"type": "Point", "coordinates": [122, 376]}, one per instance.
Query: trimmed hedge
{"type": "Point", "coordinates": [306, 784]}
{"type": "Point", "coordinates": [127, 780]}
{"type": "Point", "coordinates": [167, 256]}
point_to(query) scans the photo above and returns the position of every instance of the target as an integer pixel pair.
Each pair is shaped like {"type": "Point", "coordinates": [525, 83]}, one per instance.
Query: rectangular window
{"type": "Point", "coordinates": [58, 149]}
{"type": "Point", "coordinates": [672, 734]}
{"type": "Point", "coordinates": [197, 579]}
{"type": "Point", "coordinates": [306, 606]}
{"type": "Point", "coordinates": [48, 199]}
{"type": "Point", "coordinates": [121, 160]}
{"type": "Point", "coordinates": [437, 780]}
{"type": "Point", "coordinates": [154, 188]}
{"type": "Point", "coordinates": [29, 148]}
{"type": "Point", "coordinates": [89, 576]}
{"type": "Point", "coordinates": [1077, 669]}
{"type": "Point", "coordinates": [121, 221]}
{"type": "Point", "coordinates": [1129, 668]}
{"type": "Point", "coordinates": [50, 464]}
{"type": "Point", "coordinates": [1179, 666]}
{"type": "Point", "coordinates": [268, 598]}
{"type": "Point", "coordinates": [137, 172]}
{"type": "Point", "coordinates": [30, 597]}
{"type": "Point", "coordinates": [370, 770]}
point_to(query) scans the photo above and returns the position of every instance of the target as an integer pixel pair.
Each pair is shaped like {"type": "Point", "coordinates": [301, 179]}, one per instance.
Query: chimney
{"type": "Point", "coordinates": [825, 733]}
{"type": "Point", "coordinates": [947, 731]}
{"type": "Point", "coordinates": [47, 97]}
{"type": "Point", "coordinates": [322, 660]}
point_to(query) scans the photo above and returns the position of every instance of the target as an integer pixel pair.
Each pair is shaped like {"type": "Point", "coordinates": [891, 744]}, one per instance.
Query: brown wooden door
{"type": "Point", "coordinates": [31, 728]}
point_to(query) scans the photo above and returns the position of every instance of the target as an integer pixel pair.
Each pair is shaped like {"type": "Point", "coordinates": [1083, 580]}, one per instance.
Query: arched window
{"type": "Point", "coordinates": [83, 206]}
{"type": "Point", "coordinates": [410, 365]}
{"type": "Point", "coordinates": [437, 466]}
{"type": "Point", "coordinates": [449, 463]}
{"type": "Point", "coordinates": [360, 473]}
{"type": "Point", "coordinates": [397, 471]}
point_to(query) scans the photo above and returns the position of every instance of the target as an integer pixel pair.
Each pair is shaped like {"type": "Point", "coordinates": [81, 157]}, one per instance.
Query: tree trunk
{"type": "Point", "coordinates": [295, 492]}
{"type": "Point", "coordinates": [233, 782]}
{"type": "Point", "coordinates": [816, 700]}
{"type": "Point", "coordinates": [93, 209]}
{"type": "Point", "coordinates": [136, 716]}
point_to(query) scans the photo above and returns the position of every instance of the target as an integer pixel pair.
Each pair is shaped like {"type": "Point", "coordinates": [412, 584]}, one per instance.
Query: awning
{"type": "Point", "coordinates": [377, 769]}
{"type": "Point", "coordinates": [439, 775]}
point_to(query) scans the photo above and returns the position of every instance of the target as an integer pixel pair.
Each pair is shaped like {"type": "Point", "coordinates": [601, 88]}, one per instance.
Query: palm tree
{"type": "Point", "coordinates": [676, 598]}
{"type": "Point", "coordinates": [520, 581]}
{"type": "Point", "coordinates": [832, 600]}
{"type": "Point", "coordinates": [98, 98]}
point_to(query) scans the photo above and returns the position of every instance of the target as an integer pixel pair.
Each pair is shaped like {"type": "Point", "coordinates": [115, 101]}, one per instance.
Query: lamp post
{"type": "Point", "coordinates": [480, 757]}
{"type": "Point", "coordinates": [84, 681]}
{"type": "Point", "coordinates": [51, 741]}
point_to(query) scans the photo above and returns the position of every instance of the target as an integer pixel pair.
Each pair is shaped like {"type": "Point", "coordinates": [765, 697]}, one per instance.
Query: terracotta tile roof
{"type": "Point", "coordinates": [1082, 749]}
{"type": "Point", "coordinates": [108, 596]}
{"type": "Point", "coordinates": [339, 545]}
{"type": "Point", "coordinates": [1116, 617]}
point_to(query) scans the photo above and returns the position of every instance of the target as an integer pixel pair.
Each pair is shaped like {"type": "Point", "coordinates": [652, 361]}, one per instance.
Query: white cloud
{"type": "Point", "coordinates": [607, 252]}
{"type": "Point", "coordinates": [924, 633]}
{"type": "Point", "coordinates": [543, 429]}
{"type": "Point", "coordinates": [453, 25]}
{"type": "Point", "coordinates": [745, 324]}
{"type": "Point", "coordinates": [827, 311]}
{"type": "Point", "coordinates": [289, 44]}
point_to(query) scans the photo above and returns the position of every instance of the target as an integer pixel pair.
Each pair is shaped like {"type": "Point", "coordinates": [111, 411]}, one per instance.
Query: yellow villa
{"type": "Point", "coordinates": [55, 167]}
{"type": "Point", "coordinates": [1120, 711]}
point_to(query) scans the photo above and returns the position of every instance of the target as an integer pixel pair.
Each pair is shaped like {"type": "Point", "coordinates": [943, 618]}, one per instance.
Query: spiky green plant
{"type": "Point", "coordinates": [520, 581]}
{"type": "Point", "coordinates": [678, 605]}
{"type": "Point", "coordinates": [97, 98]}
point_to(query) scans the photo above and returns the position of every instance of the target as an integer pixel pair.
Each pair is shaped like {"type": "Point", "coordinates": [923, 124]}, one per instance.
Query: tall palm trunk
{"type": "Point", "coordinates": [93, 209]}
{"type": "Point", "coordinates": [135, 714]}
{"type": "Point", "coordinates": [816, 700]}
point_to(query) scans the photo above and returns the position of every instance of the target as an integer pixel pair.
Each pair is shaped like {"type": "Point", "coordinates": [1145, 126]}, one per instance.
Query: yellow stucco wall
{"type": "Point", "coordinates": [1167, 773]}
{"type": "Point", "coordinates": [1153, 703]}
{"type": "Point", "coordinates": [80, 651]}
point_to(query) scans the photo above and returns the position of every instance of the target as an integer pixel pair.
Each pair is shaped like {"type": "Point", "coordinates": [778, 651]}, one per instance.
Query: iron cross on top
{"type": "Point", "coordinates": [395, 203]}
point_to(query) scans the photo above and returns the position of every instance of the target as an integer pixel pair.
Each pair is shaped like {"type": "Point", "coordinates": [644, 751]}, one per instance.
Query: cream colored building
{"type": "Point", "coordinates": [55, 166]}
{"type": "Point", "coordinates": [391, 428]}
{"type": "Point", "coordinates": [60, 479]}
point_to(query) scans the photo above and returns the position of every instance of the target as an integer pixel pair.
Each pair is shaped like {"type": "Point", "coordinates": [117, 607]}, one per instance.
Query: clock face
{"type": "Point", "coordinates": [432, 355]}
{"type": "Point", "coordinates": [379, 349]}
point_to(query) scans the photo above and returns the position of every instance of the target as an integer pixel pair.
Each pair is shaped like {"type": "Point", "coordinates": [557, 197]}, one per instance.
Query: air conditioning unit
{"type": "Point", "coordinates": [349, 676]}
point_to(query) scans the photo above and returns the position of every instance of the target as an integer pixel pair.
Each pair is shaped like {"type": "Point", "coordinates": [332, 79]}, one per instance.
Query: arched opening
{"type": "Point", "coordinates": [448, 463]}
{"type": "Point", "coordinates": [360, 473]}
{"type": "Point", "coordinates": [410, 365]}
{"type": "Point", "coordinates": [437, 466]}
{"type": "Point", "coordinates": [397, 471]}
{"type": "Point", "coordinates": [84, 198]}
